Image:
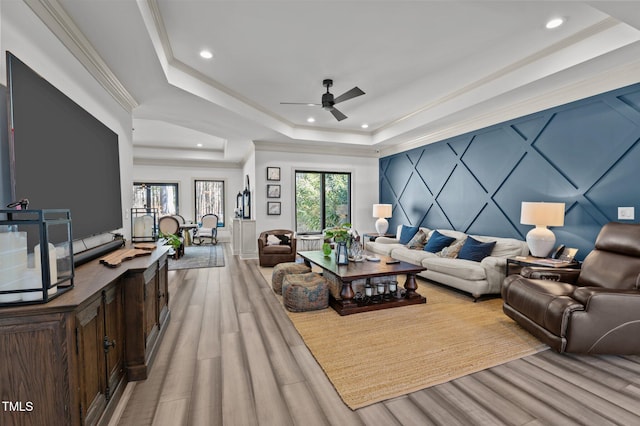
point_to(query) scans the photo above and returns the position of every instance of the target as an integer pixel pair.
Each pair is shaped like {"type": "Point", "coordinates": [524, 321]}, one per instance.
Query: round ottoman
{"type": "Point", "coordinates": [305, 292]}
{"type": "Point", "coordinates": [282, 269]}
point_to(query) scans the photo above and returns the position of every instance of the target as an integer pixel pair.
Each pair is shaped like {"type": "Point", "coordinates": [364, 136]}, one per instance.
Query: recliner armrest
{"type": "Point", "coordinates": [585, 295]}
{"type": "Point", "coordinates": [565, 275]}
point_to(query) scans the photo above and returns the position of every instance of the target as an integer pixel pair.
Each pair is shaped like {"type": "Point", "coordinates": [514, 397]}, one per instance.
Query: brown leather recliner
{"type": "Point", "coordinates": [281, 247]}
{"type": "Point", "coordinates": [592, 310]}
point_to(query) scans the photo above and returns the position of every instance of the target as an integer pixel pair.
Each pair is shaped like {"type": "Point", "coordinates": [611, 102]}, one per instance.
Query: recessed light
{"type": "Point", "coordinates": [554, 23]}
{"type": "Point", "coordinates": [206, 54]}
{"type": "Point", "coordinates": [311, 120]}
{"type": "Point", "coordinates": [365, 126]}
{"type": "Point", "coordinates": [199, 145]}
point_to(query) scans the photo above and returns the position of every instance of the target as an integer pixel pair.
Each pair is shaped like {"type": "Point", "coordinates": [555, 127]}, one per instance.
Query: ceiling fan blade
{"type": "Point", "coordinates": [300, 103]}
{"type": "Point", "coordinates": [337, 114]}
{"type": "Point", "coordinates": [350, 94]}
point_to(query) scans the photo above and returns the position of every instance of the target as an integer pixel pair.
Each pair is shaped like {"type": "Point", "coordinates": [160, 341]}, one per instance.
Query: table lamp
{"type": "Point", "coordinates": [540, 239]}
{"type": "Point", "coordinates": [382, 211]}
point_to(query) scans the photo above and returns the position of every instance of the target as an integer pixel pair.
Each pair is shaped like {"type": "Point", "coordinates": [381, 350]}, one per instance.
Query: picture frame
{"type": "Point", "coordinates": [273, 173]}
{"type": "Point", "coordinates": [273, 208]}
{"type": "Point", "coordinates": [273, 191]}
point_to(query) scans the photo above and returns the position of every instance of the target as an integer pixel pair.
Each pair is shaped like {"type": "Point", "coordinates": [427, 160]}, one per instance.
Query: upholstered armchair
{"type": "Point", "coordinates": [276, 246]}
{"type": "Point", "coordinates": [592, 310]}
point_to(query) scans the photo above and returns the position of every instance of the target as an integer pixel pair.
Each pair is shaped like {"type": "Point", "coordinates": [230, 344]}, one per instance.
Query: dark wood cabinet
{"type": "Point", "coordinates": [68, 361]}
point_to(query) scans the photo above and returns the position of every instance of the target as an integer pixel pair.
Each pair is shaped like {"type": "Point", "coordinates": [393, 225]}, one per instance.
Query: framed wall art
{"type": "Point", "coordinates": [273, 191]}
{"type": "Point", "coordinates": [273, 207]}
{"type": "Point", "coordinates": [273, 173]}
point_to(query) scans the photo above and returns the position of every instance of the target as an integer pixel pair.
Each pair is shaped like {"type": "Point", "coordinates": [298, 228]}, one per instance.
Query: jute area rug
{"type": "Point", "coordinates": [205, 256]}
{"type": "Point", "coordinates": [373, 356]}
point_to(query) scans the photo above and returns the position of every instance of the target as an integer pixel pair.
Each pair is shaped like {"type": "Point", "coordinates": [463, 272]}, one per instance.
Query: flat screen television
{"type": "Point", "coordinates": [61, 156]}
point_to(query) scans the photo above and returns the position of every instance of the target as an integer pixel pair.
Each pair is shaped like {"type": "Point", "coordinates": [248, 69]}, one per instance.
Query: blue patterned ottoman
{"type": "Point", "coordinates": [305, 292]}
{"type": "Point", "coordinates": [283, 269]}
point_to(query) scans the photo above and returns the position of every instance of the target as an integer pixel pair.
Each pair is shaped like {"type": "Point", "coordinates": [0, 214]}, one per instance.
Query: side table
{"type": "Point", "coordinates": [516, 263]}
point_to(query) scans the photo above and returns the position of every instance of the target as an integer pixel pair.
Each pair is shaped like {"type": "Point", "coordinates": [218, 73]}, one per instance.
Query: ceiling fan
{"type": "Point", "coordinates": [328, 100]}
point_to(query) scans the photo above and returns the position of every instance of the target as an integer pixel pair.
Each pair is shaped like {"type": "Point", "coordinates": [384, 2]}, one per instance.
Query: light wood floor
{"type": "Point", "coordinates": [230, 356]}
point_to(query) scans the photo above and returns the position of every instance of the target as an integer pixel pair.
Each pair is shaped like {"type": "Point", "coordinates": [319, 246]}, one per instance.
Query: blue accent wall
{"type": "Point", "coordinates": [585, 154]}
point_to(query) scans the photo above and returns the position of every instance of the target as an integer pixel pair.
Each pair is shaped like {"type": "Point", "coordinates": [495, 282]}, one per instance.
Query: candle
{"type": "Point", "coordinates": [393, 286]}
{"type": "Point", "coordinates": [368, 290]}
{"type": "Point", "coordinates": [53, 266]}
{"type": "Point", "coordinates": [380, 288]}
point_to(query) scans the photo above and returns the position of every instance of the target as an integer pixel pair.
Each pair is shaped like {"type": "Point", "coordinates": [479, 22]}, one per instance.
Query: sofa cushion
{"type": "Point", "coordinates": [460, 268]}
{"type": "Point", "coordinates": [437, 242]}
{"type": "Point", "coordinates": [505, 247]}
{"type": "Point", "coordinates": [452, 251]}
{"type": "Point", "coordinates": [408, 255]}
{"type": "Point", "coordinates": [407, 233]}
{"type": "Point", "coordinates": [475, 250]}
{"type": "Point", "coordinates": [418, 240]}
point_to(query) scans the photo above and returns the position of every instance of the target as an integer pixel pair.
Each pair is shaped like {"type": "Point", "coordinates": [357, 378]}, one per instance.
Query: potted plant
{"type": "Point", "coordinates": [340, 235]}
{"type": "Point", "coordinates": [174, 241]}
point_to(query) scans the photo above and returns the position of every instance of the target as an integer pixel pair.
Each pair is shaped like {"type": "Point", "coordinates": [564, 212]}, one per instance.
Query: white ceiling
{"type": "Point", "coordinates": [430, 69]}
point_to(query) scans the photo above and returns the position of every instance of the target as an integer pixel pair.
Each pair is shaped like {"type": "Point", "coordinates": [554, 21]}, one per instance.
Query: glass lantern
{"type": "Point", "coordinates": [144, 224]}
{"type": "Point", "coordinates": [36, 256]}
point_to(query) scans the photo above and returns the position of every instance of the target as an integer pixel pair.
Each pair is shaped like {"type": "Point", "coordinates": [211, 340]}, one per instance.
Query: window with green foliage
{"type": "Point", "coordinates": [209, 199]}
{"type": "Point", "coordinates": [323, 200]}
{"type": "Point", "coordinates": [162, 196]}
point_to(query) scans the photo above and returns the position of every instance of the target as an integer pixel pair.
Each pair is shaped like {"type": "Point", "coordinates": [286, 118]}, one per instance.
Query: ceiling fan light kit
{"type": "Point", "coordinates": [328, 101]}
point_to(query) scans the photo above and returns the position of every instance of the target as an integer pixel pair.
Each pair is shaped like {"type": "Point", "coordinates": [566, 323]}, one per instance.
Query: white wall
{"type": "Point", "coordinates": [185, 177]}
{"type": "Point", "coordinates": [30, 40]}
{"type": "Point", "coordinates": [364, 178]}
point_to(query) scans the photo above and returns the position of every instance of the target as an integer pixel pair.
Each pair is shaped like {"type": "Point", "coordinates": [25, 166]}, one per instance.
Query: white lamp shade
{"type": "Point", "coordinates": [542, 214]}
{"type": "Point", "coordinates": [382, 210]}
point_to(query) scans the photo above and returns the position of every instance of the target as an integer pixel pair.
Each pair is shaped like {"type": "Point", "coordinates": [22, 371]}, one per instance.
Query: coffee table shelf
{"type": "Point", "coordinates": [366, 270]}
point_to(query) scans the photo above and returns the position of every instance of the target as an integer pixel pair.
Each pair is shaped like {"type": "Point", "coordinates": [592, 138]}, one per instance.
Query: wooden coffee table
{"type": "Point", "coordinates": [366, 270]}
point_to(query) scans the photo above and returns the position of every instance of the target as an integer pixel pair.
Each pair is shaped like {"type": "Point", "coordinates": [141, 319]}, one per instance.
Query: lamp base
{"type": "Point", "coordinates": [540, 241]}
{"type": "Point", "coordinates": [381, 226]}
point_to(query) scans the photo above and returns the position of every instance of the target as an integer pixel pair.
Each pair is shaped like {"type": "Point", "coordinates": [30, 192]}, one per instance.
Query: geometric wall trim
{"type": "Point", "coordinates": [585, 154]}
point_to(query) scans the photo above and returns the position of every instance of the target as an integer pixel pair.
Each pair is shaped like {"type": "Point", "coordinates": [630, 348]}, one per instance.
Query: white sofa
{"type": "Point", "coordinates": [477, 278]}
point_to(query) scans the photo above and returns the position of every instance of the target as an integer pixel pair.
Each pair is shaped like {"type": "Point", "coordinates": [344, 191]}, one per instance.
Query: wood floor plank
{"type": "Point", "coordinates": [206, 401]}
{"type": "Point", "coordinates": [377, 414]}
{"type": "Point", "coordinates": [589, 384]}
{"type": "Point", "coordinates": [209, 342]}
{"type": "Point", "coordinates": [180, 375]}
{"type": "Point", "coordinates": [522, 392]}
{"type": "Point", "coordinates": [437, 409]}
{"type": "Point", "coordinates": [562, 400]}
{"type": "Point", "coordinates": [282, 360]}
{"type": "Point", "coordinates": [237, 399]}
{"type": "Point", "coordinates": [303, 406]}
{"type": "Point", "coordinates": [475, 412]}
{"type": "Point", "coordinates": [407, 413]}
{"type": "Point", "coordinates": [270, 405]}
{"type": "Point", "coordinates": [173, 413]}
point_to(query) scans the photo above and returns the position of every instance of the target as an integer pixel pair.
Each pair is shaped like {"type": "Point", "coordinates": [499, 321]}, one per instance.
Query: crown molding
{"type": "Point", "coordinates": [317, 148]}
{"type": "Point", "coordinates": [604, 82]}
{"type": "Point", "coordinates": [186, 163]}
{"type": "Point", "coordinates": [53, 15]}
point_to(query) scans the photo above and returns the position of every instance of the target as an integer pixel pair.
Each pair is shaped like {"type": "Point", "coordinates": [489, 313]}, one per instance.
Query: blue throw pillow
{"type": "Point", "coordinates": [407, 233]}
{"type": "Point", "coordinates": [475, 250]}
{"type": "Point", "coordinates": [437, 242]}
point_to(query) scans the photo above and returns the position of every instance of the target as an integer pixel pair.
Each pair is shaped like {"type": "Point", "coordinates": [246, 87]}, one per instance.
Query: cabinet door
{"type": "Point", "coordinates": [163, 291]}
{"type": "Point", "coordinates": [114, 338]}
{"type": "Point", "coordinates": [151, 308]}
{"type": "Point", "coordinates": [91, 365]}
{"type": "Point", "coordinates": [34, 376]}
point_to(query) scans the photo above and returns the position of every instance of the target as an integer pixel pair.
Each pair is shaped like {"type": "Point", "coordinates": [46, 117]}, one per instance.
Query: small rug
{"type": "Point", "coordinates": [206, 256]}
{"type": "Point", "coordinates": [373, 356]}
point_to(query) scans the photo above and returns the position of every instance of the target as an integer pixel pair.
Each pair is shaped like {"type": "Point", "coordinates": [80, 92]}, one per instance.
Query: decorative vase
{"type": "Point", "coordinates": [326, 249]}
{"type": "Point", "coordinates": [342, 255]}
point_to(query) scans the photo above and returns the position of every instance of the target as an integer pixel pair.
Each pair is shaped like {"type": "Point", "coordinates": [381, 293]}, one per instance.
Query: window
{"type": "Point", "coordinates": [209, 199]}
{"type": "Point", "coordinates": [323, 200]}
{"type": "Point", "coordinates": [162, 196]}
